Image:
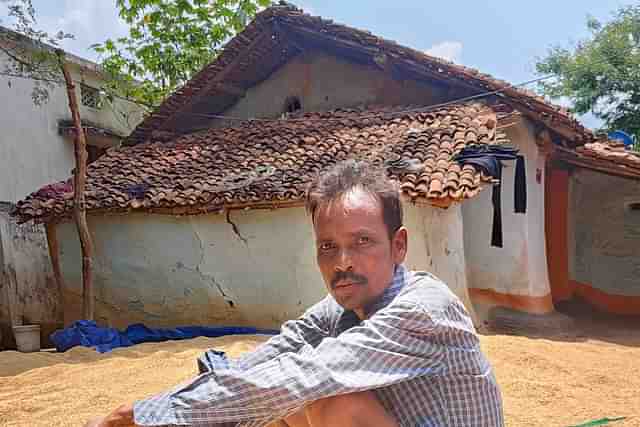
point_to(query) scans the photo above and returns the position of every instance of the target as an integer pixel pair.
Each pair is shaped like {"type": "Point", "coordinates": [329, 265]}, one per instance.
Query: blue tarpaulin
{"type": "Point", "coordinates": [88, 334]}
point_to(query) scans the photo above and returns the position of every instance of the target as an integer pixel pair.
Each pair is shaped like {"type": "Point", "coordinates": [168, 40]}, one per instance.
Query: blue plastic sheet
{"type": "Point", "coordinates": [88, 334]}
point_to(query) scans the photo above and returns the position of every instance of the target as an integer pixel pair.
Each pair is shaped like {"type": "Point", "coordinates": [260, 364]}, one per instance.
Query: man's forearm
{"type": "Point", "coordinates": [121, 417]}
{"type": "Point", "coordinates": [310, 329]}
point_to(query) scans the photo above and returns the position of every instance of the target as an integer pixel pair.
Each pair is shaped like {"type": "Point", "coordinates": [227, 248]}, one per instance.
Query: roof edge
{"type": "Point", "coordinates": [291, 18]}
{"type": "Point", "coordinates": [29, 43]}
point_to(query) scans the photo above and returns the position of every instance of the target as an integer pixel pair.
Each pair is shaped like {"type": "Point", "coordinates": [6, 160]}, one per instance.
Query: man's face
{"type": "Point", "coordinates": [355, 254]}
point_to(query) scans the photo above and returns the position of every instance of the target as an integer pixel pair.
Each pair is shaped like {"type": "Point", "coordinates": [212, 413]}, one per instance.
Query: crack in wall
{"type": "Point", "coordinates": [227, 299]}
{"type": "Point", "coordinates": [235, 229]}
{"type": "Point", "coordinates": [209, 277]}
{"type": "Point", "coordinates": [201, 251]}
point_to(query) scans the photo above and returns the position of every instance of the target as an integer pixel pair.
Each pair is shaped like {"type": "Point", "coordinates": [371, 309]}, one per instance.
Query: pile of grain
{"type": "Point", "coordinates": [50, 389]}
{"type": "Point", "coordinates": [544, 382]}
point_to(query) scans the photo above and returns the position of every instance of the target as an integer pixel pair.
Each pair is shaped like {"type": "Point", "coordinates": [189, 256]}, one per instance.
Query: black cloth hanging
{"type": "Point", "coordinates": [496, 229]}
{"type": "Point", "coordinates": [489, 158]}
{"type": "Point", "coordinates": [520, 187]}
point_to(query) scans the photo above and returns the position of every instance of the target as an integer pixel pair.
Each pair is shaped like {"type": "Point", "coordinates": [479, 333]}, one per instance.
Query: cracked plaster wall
{"type": "Point", "coordinates": [167, 271]}
{"type": "Point", "coordinates": [28, 292]}
{"type": "Point", "coordinates": [518, 268]}
{"type": "Point", "coordinates": [604, 237]}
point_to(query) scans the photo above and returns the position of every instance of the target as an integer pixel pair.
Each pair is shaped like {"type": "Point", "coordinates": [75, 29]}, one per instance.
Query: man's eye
{"type": "Point", "coordinates": [326, 246]}
{"type": "Point", "coordinates": [363, 240]}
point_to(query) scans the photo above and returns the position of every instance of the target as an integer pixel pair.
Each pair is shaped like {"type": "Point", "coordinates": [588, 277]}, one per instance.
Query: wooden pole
{"type": "Point", "coordinates": [54, 256]}
{"type": "Point", "coordinates": [79, 179]}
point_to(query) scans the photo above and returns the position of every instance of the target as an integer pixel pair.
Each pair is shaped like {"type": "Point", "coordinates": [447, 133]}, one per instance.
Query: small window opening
{"type": "Point", "coordinates": [634, 206]}
{"type": "Point", "coordinates": [90, 96]}
{"type": "Point", "coordinates": [292, 105]}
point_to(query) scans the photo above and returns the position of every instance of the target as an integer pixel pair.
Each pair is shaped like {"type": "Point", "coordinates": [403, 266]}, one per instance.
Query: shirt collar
{"type": "Point", "coordinates": [348, 318]}
{"type": "Point", "coordinates": [394, 288]}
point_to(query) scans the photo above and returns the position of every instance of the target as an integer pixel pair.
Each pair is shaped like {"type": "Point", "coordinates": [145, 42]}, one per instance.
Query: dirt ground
{"type": "Point", "coordinates": [560, 380]}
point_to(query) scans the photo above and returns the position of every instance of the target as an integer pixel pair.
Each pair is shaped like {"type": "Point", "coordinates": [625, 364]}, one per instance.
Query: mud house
{"type": "Point", "coordinates": [36, 148]}
{"type": "Point", "coordinates": [593, 227]}
{"type": "Point", "coordinates": [199, 218]}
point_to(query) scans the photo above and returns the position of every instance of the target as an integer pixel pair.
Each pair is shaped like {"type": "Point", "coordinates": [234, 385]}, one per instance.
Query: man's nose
{"type": "Point", "coordinates": [344, 261]}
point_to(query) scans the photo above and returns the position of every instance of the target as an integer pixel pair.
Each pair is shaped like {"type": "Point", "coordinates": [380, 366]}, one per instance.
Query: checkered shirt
{"type": "Point", "coordinates": [417, 350]}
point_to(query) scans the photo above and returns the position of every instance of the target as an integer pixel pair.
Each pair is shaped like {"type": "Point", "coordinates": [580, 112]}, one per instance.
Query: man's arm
{"type": "Point", "coordinates": [396, 344]}
{"type": "Point", "coordinates": [121, 417]}
{"type": "Point", "coordinates": [309, 329]}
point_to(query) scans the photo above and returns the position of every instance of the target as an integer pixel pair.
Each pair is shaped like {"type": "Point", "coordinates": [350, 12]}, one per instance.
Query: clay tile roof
{"type": "Point", "coordinates": [280, 32]}
{"type": "Point", "coordinates": [608, 156]}
{"type": "Point", "coordinates": [271, 162]}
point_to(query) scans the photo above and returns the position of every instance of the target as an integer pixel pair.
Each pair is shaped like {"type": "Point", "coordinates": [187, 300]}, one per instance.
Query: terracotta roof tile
{"type": "Point", "coordinates": [273, 161]}
{"type": "Point", "coordinates": [604, 156]}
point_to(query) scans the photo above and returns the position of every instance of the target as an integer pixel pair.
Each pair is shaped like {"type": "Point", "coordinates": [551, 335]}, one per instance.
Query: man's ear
{"type": "Point", "coordinates": [399, 245]}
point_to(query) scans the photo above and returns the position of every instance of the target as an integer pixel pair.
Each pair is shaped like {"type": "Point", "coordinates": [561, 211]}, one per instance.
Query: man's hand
{"type": "Point", "coordinates": [121, 417]}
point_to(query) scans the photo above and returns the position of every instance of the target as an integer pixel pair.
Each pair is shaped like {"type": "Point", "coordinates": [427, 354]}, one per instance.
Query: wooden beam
{"type": "Point", "coordinates": [357, 53]}
{"type": "Point", "coordinates": [615, 171]}
{"type": "Point", "coordinates": [231, 89]}
{"type": "Point", "coordinates": [321, 37]}
{"type": "Point", "coordinates": [556, 202]}
{"type": "Point", "coordinates": [605, 166]}
{"type": "Point", "coordinates": [54, 256]}
{"type": "Point", "coordinates": [280, 34]}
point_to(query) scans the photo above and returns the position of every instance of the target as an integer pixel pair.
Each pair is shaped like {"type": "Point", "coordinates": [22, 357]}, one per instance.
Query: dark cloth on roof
{"type": "Point", "coordinates": [487, 158]}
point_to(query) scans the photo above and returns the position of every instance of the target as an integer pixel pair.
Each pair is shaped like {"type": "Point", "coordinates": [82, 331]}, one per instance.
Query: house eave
{"type": "Point", "coordinates": [282, 32]}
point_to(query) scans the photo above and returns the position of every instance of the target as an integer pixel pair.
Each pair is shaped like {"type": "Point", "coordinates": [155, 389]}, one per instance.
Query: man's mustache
{"type": "Point", "coordinates": [357, 279]}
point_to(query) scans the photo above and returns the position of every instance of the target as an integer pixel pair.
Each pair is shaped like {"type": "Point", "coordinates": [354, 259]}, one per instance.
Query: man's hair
{"type": "Point", "coordinates": [348, 175]}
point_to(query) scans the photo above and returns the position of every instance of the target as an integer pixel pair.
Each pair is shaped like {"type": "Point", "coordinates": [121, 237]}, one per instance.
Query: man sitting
{"type": "Point", "coordinates": [386, 347]}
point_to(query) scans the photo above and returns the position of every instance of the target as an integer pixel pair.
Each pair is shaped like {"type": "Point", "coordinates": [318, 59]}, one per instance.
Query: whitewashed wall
{"type": "Point", "coordinates": [32, 154]}
{"type": "Point", "coordinates": [519, 268]}
{"type": "Point", "coordinates": [163, 270]}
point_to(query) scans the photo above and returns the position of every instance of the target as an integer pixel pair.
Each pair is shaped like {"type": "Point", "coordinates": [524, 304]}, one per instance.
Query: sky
{"type": "Point", "coordinates": [499, 37]}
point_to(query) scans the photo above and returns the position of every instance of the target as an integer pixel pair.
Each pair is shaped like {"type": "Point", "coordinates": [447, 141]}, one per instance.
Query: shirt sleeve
{"type": "Point", "coordinates": [396, 344]}
{"type": "Point", "coordinates": [309, 329]}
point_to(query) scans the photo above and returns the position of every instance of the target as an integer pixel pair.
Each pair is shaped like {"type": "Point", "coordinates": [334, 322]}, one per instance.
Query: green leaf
{"type": "Point", "coordinates": [600, 422]}
{"type": "Point", "coordinates": [601, 73]}
{"type": "Point", "coordinates": [170, 40]}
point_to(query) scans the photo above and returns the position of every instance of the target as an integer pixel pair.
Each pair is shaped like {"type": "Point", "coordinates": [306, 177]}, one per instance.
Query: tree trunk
{"type": "Point", "coordinates": [79, 208]}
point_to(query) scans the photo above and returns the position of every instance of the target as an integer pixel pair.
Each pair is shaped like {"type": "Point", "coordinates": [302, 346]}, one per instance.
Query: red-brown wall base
{"type": "Point", "coordinates": [615, 304]}
{"type": "Point", "coordinates": [609, 303]}
{"type": "Point", "coordinates": [525, 303]}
